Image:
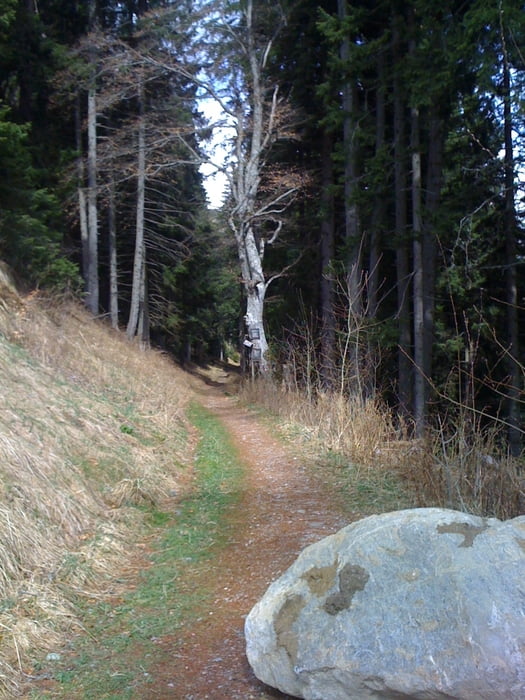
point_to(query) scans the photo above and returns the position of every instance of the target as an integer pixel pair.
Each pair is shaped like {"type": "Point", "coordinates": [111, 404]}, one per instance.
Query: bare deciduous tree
{"type": "Point", "coordinates": [257, 116]}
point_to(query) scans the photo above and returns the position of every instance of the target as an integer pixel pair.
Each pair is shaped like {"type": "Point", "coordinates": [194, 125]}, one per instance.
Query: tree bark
{"type": "Point", "coordinates": [82, 203]}
{"type": "Point", "coordinates": [255, 289]}
{"type": "Point", "coordinates": [113, 268]}
{"type": "Point", "coordinates": [404, 365]}
{"type": "Point", "coordinates": [353, 241]}
{"type": "Point", "coordinates": [418, 286]}
{"type": "Point", "coordinates": [139, 263]}
{"type": "Point", "coordinates": [326, 283]}
{"type": "Point", "coordinates": [352, 232]}
{"type": "Point", "coordinates": [92, 295]}
{"type": "Point", "coordinates": [254, 132]}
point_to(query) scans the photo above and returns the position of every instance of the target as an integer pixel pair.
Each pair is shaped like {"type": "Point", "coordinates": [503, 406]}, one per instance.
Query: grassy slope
{"type": "Point", "coordinates": [93, 439]}
{"type": "Point", "coordinates": [113, 660]}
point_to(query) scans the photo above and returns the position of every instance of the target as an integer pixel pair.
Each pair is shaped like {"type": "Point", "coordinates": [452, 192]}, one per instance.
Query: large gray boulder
{"type": "Point", "coordinates": [425, 603]}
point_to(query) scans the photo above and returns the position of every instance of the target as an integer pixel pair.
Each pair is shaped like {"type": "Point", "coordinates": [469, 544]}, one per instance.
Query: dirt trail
{"type": "Point", "coordinates": [282, 510]}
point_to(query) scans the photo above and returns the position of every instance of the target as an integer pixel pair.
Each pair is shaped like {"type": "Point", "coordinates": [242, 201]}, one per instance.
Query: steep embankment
{"type": "Point", "coordinates": [93, 434]}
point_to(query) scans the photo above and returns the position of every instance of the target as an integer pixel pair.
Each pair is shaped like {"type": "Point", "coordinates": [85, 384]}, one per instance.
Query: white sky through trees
{"type": "Point", "coordinates": [215, 179]}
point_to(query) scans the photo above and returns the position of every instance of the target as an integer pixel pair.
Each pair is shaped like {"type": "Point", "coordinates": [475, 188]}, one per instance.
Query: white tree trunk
{"type": "Point", "coordinates": [255, 286]}
{"type": "Point", "coordinates": [113, 270]}
{"type": "Point", "coordinates": [91, 271]}
{"type": "Point", "coordinates": [92, 296]}
{"type": "Point", "coordinates": [249, 148]}
{"type": "Point", "coordinates": [137, 292]}
{"type": "Point", "coordinates": [82, 202]}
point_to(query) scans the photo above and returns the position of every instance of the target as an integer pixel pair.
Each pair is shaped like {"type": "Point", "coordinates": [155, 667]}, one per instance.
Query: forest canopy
{"type": "Point", "coordinates": [371, 237]}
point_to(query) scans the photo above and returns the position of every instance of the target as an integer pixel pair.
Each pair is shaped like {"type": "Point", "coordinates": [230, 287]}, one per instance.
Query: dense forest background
{"type": "Point", "coordinates": [371, 237]}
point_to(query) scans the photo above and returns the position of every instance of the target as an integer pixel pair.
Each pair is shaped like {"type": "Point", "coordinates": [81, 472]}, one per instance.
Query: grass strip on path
{"type": "Point", "coordinates": [112, 659]}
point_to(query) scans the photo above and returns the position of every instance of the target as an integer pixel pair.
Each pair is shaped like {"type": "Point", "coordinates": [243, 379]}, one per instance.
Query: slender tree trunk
{"type": "Point", "coordinates": [139, 262]}
{"type": "Point", "coordinates": [432, 198]}
{"type": "Point", "coordinates": [352, 225]}
{"type": "Point", "coordinates": [404, 365]}
{"type": "Point", "coordinates": [82, 203]}
{"type": "Point", "coordinates": [352, 232]}
{"type": "Point", "coordinates": [113, 269]}
{"type": "Point", "coordinates": [326, 283]}
{"type": "Point", "coordinates": [418, 287]}
{"type": "Point", "coordinates": [92, 297]}
{"type": "Point", "coordinates": [379, 212]}
{"type": "Point", "coordinates": [514, 391]}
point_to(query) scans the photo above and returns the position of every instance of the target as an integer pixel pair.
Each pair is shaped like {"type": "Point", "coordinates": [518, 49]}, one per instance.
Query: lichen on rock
{"type": "Point", "coordinates": [397, 605]}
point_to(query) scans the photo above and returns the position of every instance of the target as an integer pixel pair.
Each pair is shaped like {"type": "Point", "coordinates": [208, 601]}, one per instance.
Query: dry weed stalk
{"type": "Point", "coordinates": [472, 470]}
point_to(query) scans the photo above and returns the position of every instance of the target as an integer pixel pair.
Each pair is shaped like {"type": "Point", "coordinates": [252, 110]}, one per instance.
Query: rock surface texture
{"type": "Point", "coordinates": [425, 603]}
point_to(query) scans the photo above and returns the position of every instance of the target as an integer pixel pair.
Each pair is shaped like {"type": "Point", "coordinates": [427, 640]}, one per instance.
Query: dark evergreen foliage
{"type": "Point", "coordinates": [440, 81]}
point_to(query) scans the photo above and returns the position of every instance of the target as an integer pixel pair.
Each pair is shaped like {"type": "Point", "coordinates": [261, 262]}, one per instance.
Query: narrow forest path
{"type": "Point", "coordinates": [284, 507]}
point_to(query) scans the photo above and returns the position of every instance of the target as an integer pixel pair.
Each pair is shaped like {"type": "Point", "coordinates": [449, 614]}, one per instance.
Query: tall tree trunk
{"type": "Point", "coordinates": [113, 268]}
{"type": "Point", "coordinates": [139, 262]}
{"type": "Point", "coordinates": [379, 211]}
{"type": "Point", "coordinates": [351, 224]}
{"type": "Point", "coordinates": [514, 391]}
{"type": "Point", "coordinates": [418, 287]}
{"type": "Point", "coordinates": [432, 198]}
{"type": "Point", "coordinates": [92, 296]}
{"type": "Point", "coordinates": [404, 365]}
{"type": "Point", "coordinates": [352, 232]}
{"type": "Point", "coordinates": [326, 283]}
{"type": "Point", "coordinates": [251, 144]}
{"type": "Point", "coordinates": [82, 203]}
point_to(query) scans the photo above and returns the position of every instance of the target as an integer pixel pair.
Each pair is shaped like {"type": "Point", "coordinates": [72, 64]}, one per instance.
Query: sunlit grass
{"type": "Point", "coordinates": [93, 433]}
{"type": "Point", "coordinates": [112, 660]}
{"type": "Point", "coordinates": [465, 467]}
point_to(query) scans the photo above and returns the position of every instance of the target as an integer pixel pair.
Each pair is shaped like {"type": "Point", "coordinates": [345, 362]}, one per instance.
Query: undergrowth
{"type": "Point", "coordinates": [123, 633]}
{"type": "Point", "coordinates": [464, 467]}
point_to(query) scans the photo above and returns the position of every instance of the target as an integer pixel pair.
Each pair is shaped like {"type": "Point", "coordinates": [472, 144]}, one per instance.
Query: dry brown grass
{"type": "Point", "coordinates": [466, 468]}
{"type": "Point", "coordinates": [473, 471]}
{"type": "Point", "coordinates": [360, 430]}
{"type": "Point", "coordinates": [89, 426]}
